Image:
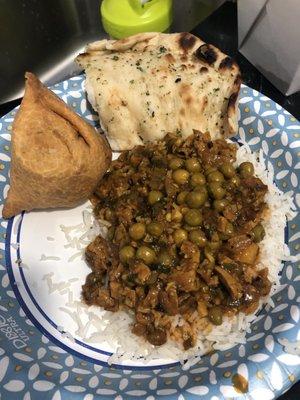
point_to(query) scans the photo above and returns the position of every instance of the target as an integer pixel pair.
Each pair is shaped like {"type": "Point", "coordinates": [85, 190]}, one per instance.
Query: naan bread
{"type": "Point", "coordinates": [152, 83]}
{"type": "Point", "coordinates": [57, 157]}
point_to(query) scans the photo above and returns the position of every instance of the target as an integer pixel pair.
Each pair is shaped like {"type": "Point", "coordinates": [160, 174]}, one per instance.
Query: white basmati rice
{"type": "Point", "coordinates": [97, 326]}
{"type": "Point", "coordinates": [80, 235]}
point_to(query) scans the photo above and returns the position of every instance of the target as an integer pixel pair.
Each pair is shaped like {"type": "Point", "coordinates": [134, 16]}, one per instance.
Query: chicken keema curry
{"type": "Point", "coordinates": [185, 227]}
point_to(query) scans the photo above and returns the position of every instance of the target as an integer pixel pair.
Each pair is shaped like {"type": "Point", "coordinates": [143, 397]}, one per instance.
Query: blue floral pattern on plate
{"type": "Point", "coordinates": [31, 366]}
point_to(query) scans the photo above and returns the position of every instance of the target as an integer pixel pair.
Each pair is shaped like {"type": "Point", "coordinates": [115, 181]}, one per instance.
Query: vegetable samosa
{"type": "Point", "coordinates": [57, 157]}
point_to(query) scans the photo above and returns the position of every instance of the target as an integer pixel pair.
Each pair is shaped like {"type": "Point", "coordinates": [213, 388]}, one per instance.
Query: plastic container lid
{"type": "Point", "coordinates": [122, 18]}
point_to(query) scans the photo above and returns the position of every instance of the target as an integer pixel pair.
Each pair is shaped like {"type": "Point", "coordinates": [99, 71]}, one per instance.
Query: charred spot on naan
{"type": "Point", "coordinates": [186, 41]}
{"type": "Point", "coordinates": [232, 100]}
{"type": "Point", "coordinates": [233, 103]}
{"type": "Point", "coordinates": [203, 70]}
{"type": "Point", "coordinates": [84, 55]}
{"type": "Point", "coordinates": [206, 53]}
{"type": "Point", "coordinates": [227, 63]}
{"type": "Point", "coordinates": [183, 58]}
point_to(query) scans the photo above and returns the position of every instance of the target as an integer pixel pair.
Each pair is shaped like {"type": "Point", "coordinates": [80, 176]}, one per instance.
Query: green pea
{"type": "Point", "coordinates": [164, 258]}
{"type": "Point", "coordinates": [216, 190]}
{"type": "Point", "coordinates": [219, 205]}
{"type": "Point", "coordinates": [198, 237]}
{"type": "Point", "coordinates": [227, 170]}
{"type": "Point", "coordinates": [193, 217]}
{"type": "Point", "coordinates": [176, 215]}
{"type": "Point", "coordinates": [196, 199]}
{"type": "Point", "coordinates": [109, 215]}
{"type": "Point", "coordinates": [137, 231]}
{"type": "Point", "coordinates": [146, 254]}
{"type": "Point", "coordinates": [197, 179]}
{"type": "Point", "coordinates": [155, 229]}
{"type": "Point", "coordinates": [179, 236]}
{"type": "Point", "coordinates": [215, 315]}
{"type": "Point", "coordinates": [154, 196]}
{"type": "Point", "coordinates": [246, 169]}
{"type": "Point", "coordinates": [214, 245]}
{"type": "Point", "coordinates": [192, 165]}
{"type": "Point", "coordinates": [258, 233]}
{"type": "Point", "coordinates": [181, 197]}
{"type": "Point", "coordinates": [175, 163]}
{"type": "Point", "coordinates": [126, 254]}
{"type": "Point", "coordinates": [204, 288]}
{"type": "Point", "coordinates": [181, 176]}
{"type": "Point", "coordinates": [215, 176]}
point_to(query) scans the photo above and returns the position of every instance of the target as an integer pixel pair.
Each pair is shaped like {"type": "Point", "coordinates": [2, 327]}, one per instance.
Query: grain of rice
{"type": "Point", "coordinates": [49, 258]}
{"type": "Point", "coordinates": [58, 287]}
{"type": "Point", "coordinates": [80, 228]}
{"type": "Point", "coordinates": [80, 329]}
{"type": "Point", "coordinates": [74, 256]}
{"type": "Point", "coordinates": [50, 238]}
{"type": "Point", "coordinates": [69, 245]}
{"type": "Point", "coordinates": [48, 276]}
{"type": "Point", "coordinates": [86, 329]}
{"type": "Point", "coordinates": [73, 280]}
{"type": "Point", "coordinates": [84, 236]}
{"type": "Point", "coordinates": [49, 284]}
{"type": "Point", "coordinates": [78, 244]}
{"type": "Point", "coordinates": [70, 313]}
{"type": "Point", "coordinates": [64, 291]}
{"type": "Point", "coordinates": [70, 296]}
{"type": "Point", "coordinates": [87, 218]}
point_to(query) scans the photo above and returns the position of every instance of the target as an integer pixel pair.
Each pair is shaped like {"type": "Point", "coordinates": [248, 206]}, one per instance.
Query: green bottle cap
{"type": "Point", "coordinates": [122, 18]}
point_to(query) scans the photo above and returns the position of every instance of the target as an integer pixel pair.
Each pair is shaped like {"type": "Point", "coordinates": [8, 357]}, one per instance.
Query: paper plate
{"type": "Point", "coordinates": [38, 358]}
